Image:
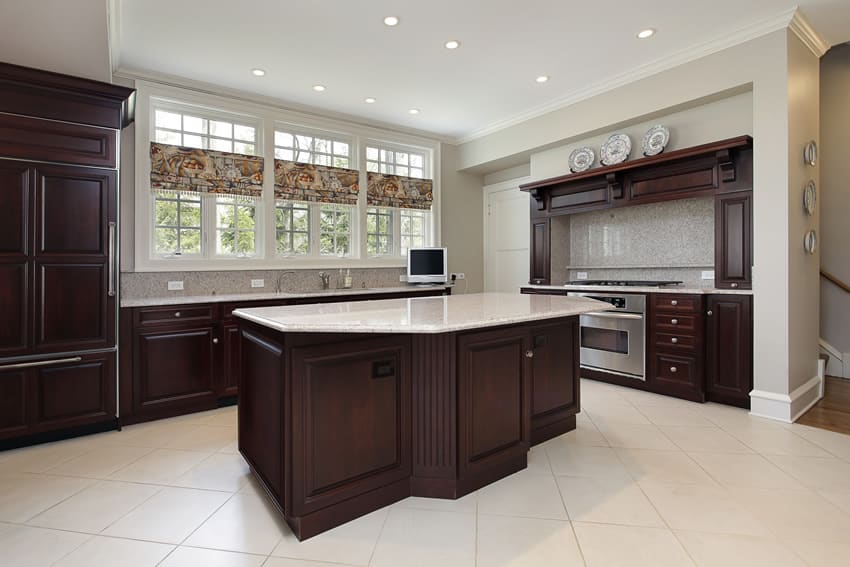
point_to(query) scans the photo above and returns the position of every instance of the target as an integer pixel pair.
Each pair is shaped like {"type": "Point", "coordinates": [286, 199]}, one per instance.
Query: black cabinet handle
{"type": "Point", "coordinates": [383, 369]}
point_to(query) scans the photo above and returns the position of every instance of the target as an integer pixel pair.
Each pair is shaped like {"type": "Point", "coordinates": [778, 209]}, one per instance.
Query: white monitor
{"type": "Point", "coordinates": [427, 265]}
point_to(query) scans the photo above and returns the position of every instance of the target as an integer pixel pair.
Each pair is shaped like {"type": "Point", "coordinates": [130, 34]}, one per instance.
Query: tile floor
{"type": "Point", "coordinates": [644, 480]}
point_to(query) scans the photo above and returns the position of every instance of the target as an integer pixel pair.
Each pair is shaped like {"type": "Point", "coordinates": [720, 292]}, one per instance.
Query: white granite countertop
{"type": "Point", "coordinates": [218, 298]}
{"type": "Point", "coordinates": [420, 314]}
{"type": "Point", "coordinates": [640, 289]}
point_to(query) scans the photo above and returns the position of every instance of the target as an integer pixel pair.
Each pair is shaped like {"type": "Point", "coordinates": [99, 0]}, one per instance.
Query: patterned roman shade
{"type": "Point", "coordinates": [193, 170]}
{"type": "Point", "coordinates": [294, 181]}
{"type": "Point", "coordinates": [398, 191]}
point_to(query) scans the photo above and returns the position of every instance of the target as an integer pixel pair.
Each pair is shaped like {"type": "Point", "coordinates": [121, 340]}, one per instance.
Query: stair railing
{"type": "Point", "coordinates": [829, 277]}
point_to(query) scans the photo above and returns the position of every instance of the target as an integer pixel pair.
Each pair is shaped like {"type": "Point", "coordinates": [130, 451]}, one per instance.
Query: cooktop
{"type": "Point", "coordinates": [626, 283]}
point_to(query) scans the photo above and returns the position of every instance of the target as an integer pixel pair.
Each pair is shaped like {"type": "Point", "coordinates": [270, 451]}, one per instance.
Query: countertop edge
{"type": "Point", "coordinates": [640, 289]}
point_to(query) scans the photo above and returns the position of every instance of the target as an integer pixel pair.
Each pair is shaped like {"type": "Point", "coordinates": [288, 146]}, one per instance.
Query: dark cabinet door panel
{"type": "Point", "coordinates": [48, 140]}
{"type": "Point", "coordinates": [729, 349]}
{"type": "Point", "coordinates": [75, 393]}
{"type": "Point", "coordinates": [228, 379]}
{"type": "Point", "coordinates": [553, 386]}
{"type": "Point", "coordinates": [16, 209]}
{"type": "Point", "coordinates": [493, 377]}
{"type": "Point", "coordinates": [72, 308]}
{"type": "Point", "coordinates": [75, 205]}
{"type": "Point", "coordinates": [678, 374]}
{"type": "Point", "coordinates": [14, 403]}
{"type": "Point", "coordinates": [352, 433]}
{"type": "Point", "coordinates": [539, 253]}
{"type": "Point", "coordinates": [685, 177]}
{"type": "Point", "coordinates": [733, 240]}
{"type": "Point", "coordinates": [14, 309]}
{"type": "Point", "coordinates": [174, 368]}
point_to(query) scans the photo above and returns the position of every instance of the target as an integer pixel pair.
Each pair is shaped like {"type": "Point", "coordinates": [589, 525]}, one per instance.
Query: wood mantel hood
{"type": "Point", "coordinates": [721, 148]}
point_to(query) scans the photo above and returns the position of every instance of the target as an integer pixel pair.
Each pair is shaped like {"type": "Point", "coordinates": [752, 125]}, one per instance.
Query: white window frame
{"type": "Point", "coordinates": [267, 119]}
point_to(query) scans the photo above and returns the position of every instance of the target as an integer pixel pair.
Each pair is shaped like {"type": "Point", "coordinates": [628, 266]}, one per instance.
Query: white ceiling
{"type": "Point", "coordinates": [505, 44]}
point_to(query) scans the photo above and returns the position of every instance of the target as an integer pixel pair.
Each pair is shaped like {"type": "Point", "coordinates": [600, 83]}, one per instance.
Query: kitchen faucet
{"type": "Point", "coordinates": [326, 280]}
{"type": "Point", "coordinates": [279, 286]}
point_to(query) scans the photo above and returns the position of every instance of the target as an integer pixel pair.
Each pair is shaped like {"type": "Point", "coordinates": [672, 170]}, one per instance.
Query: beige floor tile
{"type": "Point", "coordinates": [615, 414]}
{"type": "Point", "coordinates": [635, 436]}
{"type": "Point", "coordinates": [161, 466]}
{"type": "Point", "coordinates": [724, 550]}
{"type": "Point", "coordinates": [538, 461]}
{"type": "Point", "coordinates": [109, 551]}
{"type": "Point", "coordinates": [232, 448]}
{"type": "Point", "coordinates": [192, 556]}
{"type": "Point", "coordinates": [641, 399]}
{"type": "Point", "coordinates": [219, 471]}
{"type": "Point", "coordinates": [468, 503]}
{"type": "Point", "coordinates": [23, 496]}
{"type": "Point", "coordinates": [523, 494]}
{"type": "Point", "coordinates": [578, 460]}
{"type": "Point", "coordinates": [352, 542]}
{"type": "Point", "coordinates": [663, 466]}
{"type": "Point", "coordinates": [425, 537]}
{"type": "Point", "coordinates": [745, 470]}
{"type": "Point", "coordinates": [795, 513]}
{"type": "Point", "coordinates": [154, 434]}
{"type": "Point", "coordinates": [776, 441]}
{"type": "Point", "coordinates": [95, 508]}
{"type": "Point", "coordinates": [286, 562]}
{"type": "Point", "coordinates": [504, 541]}
{"type": "Point", "coordinates": [822, 554]}
{"type": "Point", "coordinates": [704, 439]}
{"type": "Point", "coordinates": [703, 508]}
{"type": "Point", "coordinates": [585, 433]}
{"type": "Point", "coordinates": [825, 474]}
{"type": "Point", "coordinates": [208, 438]}
{"type": "Point", "coordinates": [227, 417]}
{"type": "Point", "coordinates": [169, 516]}
{"type": "Point", "coordinates": [39, 458]}
{"type": "Point", "coordinates": [629, 546]}
{"type": "Point", "coordinates": [608, 501]}
{"type": "Point", "coordinates": [675, 416]}
{"type": "Point", "coordinates": [840, 499]}
{"type": "Point", "coordinates": [837, 444]}
{"type": "Point", "coordinates": [732, 417]}
{"type": "Point", "coordinates": [246, 523]}
{"type": "Point", "coordinates": [25, 546]}
{"type": "Point", "coordinates": [101, 462]}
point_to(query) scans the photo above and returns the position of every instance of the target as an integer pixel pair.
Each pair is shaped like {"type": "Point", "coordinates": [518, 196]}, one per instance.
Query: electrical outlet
{"type": "Point", "coordinates": [402, 278]}
{"type": "Point", "coordinates": [458, 276]}
{"type": "Point", "coordinates": [708, 274]}
{"type": "Point", "coordinates": [175, 285]}
{"type": "Point", "coordinates": [581, 275]}
{"type": "Point", "coordinates": [258, 283]}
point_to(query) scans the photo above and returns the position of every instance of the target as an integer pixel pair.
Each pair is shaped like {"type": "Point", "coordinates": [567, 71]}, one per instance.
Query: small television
{"type": "Point", "coordinates": [427, 266]}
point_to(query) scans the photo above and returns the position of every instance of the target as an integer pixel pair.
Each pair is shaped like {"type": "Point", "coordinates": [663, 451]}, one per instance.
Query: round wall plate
{"type": "Point", "coordinates": [810, 197]}
{"type": "Point", "coordinates": [581, 159]}
{"type": "Point", "coordinates": [810, 242]}
{"type": "Point", "coordinates": [810, 153]}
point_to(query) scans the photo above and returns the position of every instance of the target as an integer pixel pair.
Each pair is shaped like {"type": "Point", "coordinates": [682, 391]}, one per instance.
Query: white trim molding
{"type": "Point", "coordinates": [787, 407]}
{"type": "Point", "coordinates": [836, 364]}
{"type": "Point", "coordinates": [807, 34]}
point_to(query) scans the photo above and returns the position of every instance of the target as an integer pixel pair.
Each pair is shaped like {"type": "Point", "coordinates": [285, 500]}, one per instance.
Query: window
{"type": "Point", "coordinates": [395, 162]}
{"type": "Point", "coordinates": [306, 148]}
{"type": "Point", "coordinates": [181, 221]}
{"type": "Point", "coordinates": [335, 230]}
{"type": "Point", "coordinates": [379, 231]}
{"type": "Point", "coordinates": [292, 222]}
{"type": "Point", "coordinates": [414, 229]}
{"type": "Point", "coordinates": [177, 225]}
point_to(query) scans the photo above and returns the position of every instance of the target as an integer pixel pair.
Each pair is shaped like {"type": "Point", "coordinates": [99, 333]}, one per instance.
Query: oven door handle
{"type": "Point", "coordinates": [609, 315]}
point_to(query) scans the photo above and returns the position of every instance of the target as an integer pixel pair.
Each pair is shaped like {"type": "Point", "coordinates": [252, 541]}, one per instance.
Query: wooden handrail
{"type": "Point", "coordinates": [835, 280]}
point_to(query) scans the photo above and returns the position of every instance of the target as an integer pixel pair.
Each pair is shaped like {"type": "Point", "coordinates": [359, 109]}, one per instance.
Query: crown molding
{"type": "Point", "coordinates": [808, 35]}
{"type": "Point", "coordinates": [748, 33]}
{"type": "Point", "coordinates": [113, 34]}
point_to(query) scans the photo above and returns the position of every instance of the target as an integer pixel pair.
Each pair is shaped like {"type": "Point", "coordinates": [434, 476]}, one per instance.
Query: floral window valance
{"type": "Point", "coordinates": [193, 170]}
{"type": "Point", "coordinates": [398, 191]}
{"type": "Point", "coordinates": [294, 181]}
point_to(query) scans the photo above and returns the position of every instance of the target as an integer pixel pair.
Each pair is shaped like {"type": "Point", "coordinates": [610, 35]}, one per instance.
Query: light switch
{"type": "Point", "coordinates": [175, 285]}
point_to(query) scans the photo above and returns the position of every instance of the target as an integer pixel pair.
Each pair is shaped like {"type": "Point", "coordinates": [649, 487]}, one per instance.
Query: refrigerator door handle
{"type": "Point", "coordinates": [40, 363]}
{"type": "Point", "coordinates": [112, 270]}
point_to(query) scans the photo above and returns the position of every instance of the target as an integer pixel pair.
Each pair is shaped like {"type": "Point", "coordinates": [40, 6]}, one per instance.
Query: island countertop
{"type": "Point", "coordinates": [420, 314]}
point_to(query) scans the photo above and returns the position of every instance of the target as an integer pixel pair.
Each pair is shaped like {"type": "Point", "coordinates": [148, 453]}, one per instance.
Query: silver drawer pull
{"type": "Point", "coordinates": [674, 302]}
{"type": "Point", "coordinates": [674, 321]}
{"type": "Point", "coordinates": [673, 369]}
{"type": "Point", "coordinates": [40, 363]}
{"type": "Point", "coordinates": [215, 340]}
{"type": "Point", "coordinates": [674, 340]}
{"type": "Point", "coordinates": [710, 313]}
{"type": "Point", "coordinates": [177, 314]}
{"type": "Point", "coordinates": [734, 285]}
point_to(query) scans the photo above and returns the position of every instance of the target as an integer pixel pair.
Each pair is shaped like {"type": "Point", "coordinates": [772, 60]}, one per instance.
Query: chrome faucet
{"type": "Point", "coordinates": [279, 286]}
{"type": "Point", "coordinates": [326, 280]}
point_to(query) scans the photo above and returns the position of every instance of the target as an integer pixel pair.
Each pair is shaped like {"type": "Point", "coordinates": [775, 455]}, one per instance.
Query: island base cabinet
{"type": "Point", "coordinates": [729, 349]}
{"type": "Point", "coordinates": [554, 389]}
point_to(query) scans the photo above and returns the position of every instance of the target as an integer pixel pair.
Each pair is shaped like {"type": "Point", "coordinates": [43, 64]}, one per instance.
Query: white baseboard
{"type": "Point", "coordinates": [837, 365]}
{"type": "Point", "coordinates": [786, 407]}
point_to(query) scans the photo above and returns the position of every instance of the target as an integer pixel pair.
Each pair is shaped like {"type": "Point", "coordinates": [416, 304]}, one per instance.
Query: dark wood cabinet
{"type": "Point", "coordinates": [539, 252]}
{"type": "Point", "coordinates": [675, 345]}
{"type": "Point", "coordinates": [733, 246]}
{"type": "Point", "coordinates": [554, 389]}
{"type": "Point", "coordinates": [729, 349]}
{"type": "Point", "coordinates": [228, 376]}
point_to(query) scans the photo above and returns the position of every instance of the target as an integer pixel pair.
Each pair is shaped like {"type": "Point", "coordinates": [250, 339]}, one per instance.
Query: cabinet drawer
{"type": "Point", "coordinates": [174, 314]}
{"type": "Point", "coordinates": [677, 303]}
{"type": "Point", "coordinates": [672, 342]}
{"type": "Point", "coordinates": [675, 323]}
{"type": "Point", "coordinates": [678, 371]}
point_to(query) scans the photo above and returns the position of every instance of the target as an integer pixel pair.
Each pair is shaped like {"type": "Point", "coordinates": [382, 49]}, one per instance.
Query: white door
{"type": "Point", "coordinates": [506, 234]}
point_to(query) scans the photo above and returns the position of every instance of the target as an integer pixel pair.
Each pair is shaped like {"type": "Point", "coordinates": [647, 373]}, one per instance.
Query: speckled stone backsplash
{"type": "Point", "coordinates": [140, 285]}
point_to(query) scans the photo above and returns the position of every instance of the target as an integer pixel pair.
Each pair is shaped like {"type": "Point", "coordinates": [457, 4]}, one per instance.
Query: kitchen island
{"type": "Point", "coordinates": [345, 408]}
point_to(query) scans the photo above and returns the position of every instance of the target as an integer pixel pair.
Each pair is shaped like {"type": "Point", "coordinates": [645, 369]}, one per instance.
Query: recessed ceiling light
{"type": "Point", "coordinates": [318, 88]}
{"type": "Point", "coordinates": [413, 111]}
{"type": "Point", "coordinates": [258, 72]}
{"type": "Point", "coordinates": [369, 100]}
{"type": "Point", "coordinates": [542, 78]}
{"type": "Point", "coordinates": [644, 34]}
{"type": "Point", "coordinates": [391, 21]}
{"type": "Point", "coordinates": [453, 44]}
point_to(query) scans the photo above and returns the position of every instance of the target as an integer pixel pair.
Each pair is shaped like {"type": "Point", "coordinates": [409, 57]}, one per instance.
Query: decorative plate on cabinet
{"type": "Point", "coordinates": [810, 153]}
{"type": "Point", "coordinates": [655, 140]}
{"type": "Point", "coordinates": [581, 159]}
{"type": "Point", "coordinates": [810, 197]}
{"type": "Point", "coordinates": [810, 242]}
{"type": "Point", "coordinates": [616, 149]}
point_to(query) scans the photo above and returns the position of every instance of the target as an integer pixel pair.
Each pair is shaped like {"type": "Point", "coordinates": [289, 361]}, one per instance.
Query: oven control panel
{"type": "Point", "coordinates": [618, 302]}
